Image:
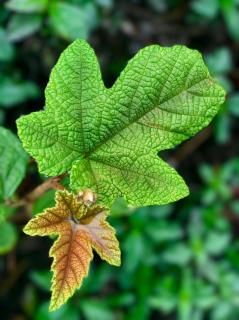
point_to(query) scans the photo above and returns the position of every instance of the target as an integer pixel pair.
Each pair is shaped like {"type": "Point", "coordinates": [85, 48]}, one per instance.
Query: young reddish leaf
{"type": "Point", "coordinates": [80, 228]}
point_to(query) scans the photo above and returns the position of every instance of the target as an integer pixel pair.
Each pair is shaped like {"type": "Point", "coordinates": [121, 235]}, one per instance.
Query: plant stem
{"type": "Point", "coordinates": [28, 199]}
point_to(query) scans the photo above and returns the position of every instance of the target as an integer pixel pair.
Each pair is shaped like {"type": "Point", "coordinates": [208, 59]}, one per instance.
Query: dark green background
{"type": "Point", "coordinates": [179, 261]}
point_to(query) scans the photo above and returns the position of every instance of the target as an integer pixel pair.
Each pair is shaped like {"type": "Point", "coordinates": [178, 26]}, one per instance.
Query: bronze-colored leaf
{"type": "Point", "coordinates": [80, 227]}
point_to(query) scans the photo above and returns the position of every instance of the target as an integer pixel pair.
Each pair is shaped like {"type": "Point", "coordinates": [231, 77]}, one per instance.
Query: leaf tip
{"type": "Point", "coordinates": [53, 305]}
{"type": "Point", "coordinates": [117, 262]}
{"type": "Point", "coordinates": [27, 229]}
{"type": "Point", "coordinates": [185, 191]}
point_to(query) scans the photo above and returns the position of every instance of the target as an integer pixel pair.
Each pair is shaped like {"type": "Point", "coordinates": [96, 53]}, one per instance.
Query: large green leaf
{"type": "Point", "coordinates": [109, 138]}
{"type": "Point", "coordinates": [13, 162]}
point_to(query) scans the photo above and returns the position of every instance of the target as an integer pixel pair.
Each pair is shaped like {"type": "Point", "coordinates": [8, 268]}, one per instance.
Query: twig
{"type": "Point", "coordinates": [51, 183]}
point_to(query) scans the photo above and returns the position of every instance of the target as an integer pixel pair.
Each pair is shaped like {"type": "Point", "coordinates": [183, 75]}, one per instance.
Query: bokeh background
{"type": "Point", "coordinates": [180, 261]}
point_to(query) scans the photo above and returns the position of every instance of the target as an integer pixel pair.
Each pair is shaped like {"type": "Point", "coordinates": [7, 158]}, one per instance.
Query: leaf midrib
{"type": "Point", "coordinates": [93, 150]}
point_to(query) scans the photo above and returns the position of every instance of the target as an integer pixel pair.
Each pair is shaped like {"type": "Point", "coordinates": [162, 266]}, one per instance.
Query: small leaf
{"type": "Point", "coordinates": [44, 202]}
{"type": "Point", "coordinates": [71, 21]}
{"type": "Point", "coordinates": [222, 128]}
{"type": "Point", "coordinates": [231, 16]}
{"type": "Point", "coordinates": [208, 10]}
{"type": "Point", "coordinates": [96, 310]}
{"type": "Point", "coordinates": [110, 138]}
{"type": "Point", "coordinates": [23, 25]}
{"type": "Point", "coordinates": [27, 5]}
{"type": "Point", "coordinates": [8, 237]}
{"type": "Point", "coordinates": [220, 61]}
{"type": "Point", "coordinates": [134, 250]}
{"type": "Point", "coordinates": [233, 104]}
{"type": "Point", "coordinates": [13, 163]}
{"type": "Point", "coordinates": [216, 243]}
{"type": "Point", "coordinates": [163, 231]}
{"type": "Point", "coordinates": [42, 279]}
{"type": "Point", "coordinates": [13, 93]}
{"type": "Point", "coordinates": [177, 254]}
{"type": "Point", "coordinates": [68, 311]}
{"type": "Point", "coordinates": [79, 228]}
{"type": "Point", "coordinates": [6, 48]}
{"type": "Point", "coordinates": [105, 3]}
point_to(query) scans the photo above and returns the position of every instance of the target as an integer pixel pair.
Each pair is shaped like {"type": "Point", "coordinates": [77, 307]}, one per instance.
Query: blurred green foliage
{"type": "Point", "coordinates": [179, 262]}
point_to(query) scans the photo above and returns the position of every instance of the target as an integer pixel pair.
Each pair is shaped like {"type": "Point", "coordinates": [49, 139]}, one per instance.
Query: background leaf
{"type": "Point", "coordinates": [23, 25]}
{"type": "Point", "coordinates": [81, 21]}
{"type": "Point", "coordinates": [8, 237]}
{"type": "Point", "coordinates": [13, 162]}
{"type": "Point", "coordinates": [14, 92]}
{"type": "Point", "coordinates": [6, 48]}
{"type": "Point", "coordinates": [27, 5]}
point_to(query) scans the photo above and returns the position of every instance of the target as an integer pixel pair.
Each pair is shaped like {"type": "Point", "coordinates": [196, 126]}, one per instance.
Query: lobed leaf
{"type": "Point", "coordinates": [110, 138]}
{"type": "Point", "coordinates": [80, 228]}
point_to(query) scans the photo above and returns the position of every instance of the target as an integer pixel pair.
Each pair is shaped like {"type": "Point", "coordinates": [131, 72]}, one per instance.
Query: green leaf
{"type": "Point", "coordinates": [5, 212]}
{"type": "Point", "coordinates": [217, 242]}
{"type": "Point", "coordinates": [205, 8]}
{"type": "Point", "coordinates": [178, 254]}
{"type": "Point", "coordinates": [231, 15]}
{"type": "Point", "coordinates": [165, 304]}
{"type": "Point", "coordinates": [98, 278]}
{"type": "Point", "coordinates": [47, 200]}
{"type": "Point", "coordinates": [96, 310]}
{"type": "Point", "coordinates": [42, 278]}
{"type": "Point", "coordinates": [222, 311]}
{"type": "Point", "coordinates": [105, 3]}
{"type": "Point", "coordinates": [120, 208]}
{"type": "Point", "coordinates": [222, 128]}
{"type": "Point", "coordinates": [13, 93]}
{"type": "Point", "coordinates": [67, 311]}
{"type": "Point", "coordinates": [165, 298]}
{"type": "Point", "coordinates": [121, 300]}
{"type": "Point", "coordinates": [185, 296]}
{"type": "Point", "coordinates": [23, 25]}
{"type": "Point", "coordinates": [162, 231]}
{"type": "Point", "coordinates": [71, 21]}
{"type": "Point", "coordinates": [6, 48]}
{"type": "Point", "coordinates": [110, 137]}
{"type": "Point", "coordinates": [233, 104]}
{"type": "Point", "coordinates": [8, 237]}
{"type": "Point", "coordinates": [27, 5]}
{"type": "Point", "coordinates": [220, 61]}
{"type": "Point", "coordinates": [13, 162]}
{"type": "Point", "coordinates": [205, 295]}
{"type": "Point", "coordinates": [133, 249]}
